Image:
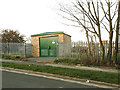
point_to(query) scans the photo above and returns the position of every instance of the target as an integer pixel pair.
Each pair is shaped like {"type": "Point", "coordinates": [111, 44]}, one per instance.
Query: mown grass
{"type": "Point", "coordinates": [83, 74]}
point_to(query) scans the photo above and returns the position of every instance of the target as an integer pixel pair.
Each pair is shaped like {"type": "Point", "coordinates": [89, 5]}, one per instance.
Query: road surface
{"type": "Point", "coordinates": [15, 80]}
{"type": "Point", "coordinates": [20, 80]}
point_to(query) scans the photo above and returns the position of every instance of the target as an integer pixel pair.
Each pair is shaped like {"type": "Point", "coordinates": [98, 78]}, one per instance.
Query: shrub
{"type": "Point", "coordinates": [17, 57]}
{"type": "Point", "coordinates": [7, 57]}
{"type": "Point", "coordinates": [117, 67]}
{"type": "Point", "coordinates": [12, 57]}
{"type": "Point", "coordinates": [67, 61]}
{"type": "Point", "coordinates": [3, 55]}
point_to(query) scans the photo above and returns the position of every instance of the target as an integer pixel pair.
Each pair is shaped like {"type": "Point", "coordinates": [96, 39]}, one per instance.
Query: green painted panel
{"type": "Point", "coordinates": [48, 46]}
{"type": "Point", "coordinates": [52, 52]}
{"type": "Point", "coordinates": [44, 52]}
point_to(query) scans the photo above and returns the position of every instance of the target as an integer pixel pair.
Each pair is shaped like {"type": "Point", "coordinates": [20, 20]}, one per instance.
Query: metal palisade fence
{"type": "Point", "coordinates": [80, 50]}
{"type": "Point", "coordinates": [21, 49]}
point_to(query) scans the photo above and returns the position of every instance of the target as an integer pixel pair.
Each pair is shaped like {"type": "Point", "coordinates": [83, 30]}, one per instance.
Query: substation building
{"type": "Point", "coordinates": [51, 44]}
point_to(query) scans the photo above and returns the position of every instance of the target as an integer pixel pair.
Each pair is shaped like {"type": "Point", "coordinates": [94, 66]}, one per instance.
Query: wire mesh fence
{"type": "Point", "coordinates": [28, 50]}
{"type": "Point", "coordinates": [64, 50]}
{"type": "Point", "coordinates": [21, 49]}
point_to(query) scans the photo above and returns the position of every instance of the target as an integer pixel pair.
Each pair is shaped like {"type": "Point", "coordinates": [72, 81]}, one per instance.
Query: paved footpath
{"type": "Point", "coordinates": [65, 66]}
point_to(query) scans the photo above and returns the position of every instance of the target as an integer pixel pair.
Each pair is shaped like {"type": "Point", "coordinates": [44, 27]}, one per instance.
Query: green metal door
{"type": "Point", "coordinates": [48, 46]}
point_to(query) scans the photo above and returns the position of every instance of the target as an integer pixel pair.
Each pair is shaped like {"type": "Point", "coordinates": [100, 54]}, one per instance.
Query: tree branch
{"type": "Point", "coordinates": [105, 27]}
{"type": "Point", "coordinates": [115, 11]}
{"type": "Point", "coordinates": [94, 10]}
{"type": "Point", "coordinates": [86, 13]}
{"type": "Point", "coordinates": [103, 10]}
{"type": "Point", "coordinates": [91, 12]}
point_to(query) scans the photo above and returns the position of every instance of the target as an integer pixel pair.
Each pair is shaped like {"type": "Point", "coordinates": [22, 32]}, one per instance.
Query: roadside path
{"type": "Point", "coordinates": [65, 66]}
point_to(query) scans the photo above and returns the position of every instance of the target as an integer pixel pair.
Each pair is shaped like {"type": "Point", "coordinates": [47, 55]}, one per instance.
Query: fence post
{"type": "Point", "coordinates": [24, 49]}
{"type": "Point", "coordinates": [8, 48]}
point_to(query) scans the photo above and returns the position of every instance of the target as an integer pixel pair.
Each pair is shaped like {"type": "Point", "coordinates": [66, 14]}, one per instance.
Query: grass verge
{"type": "Point", "coordinates": [83, 74]}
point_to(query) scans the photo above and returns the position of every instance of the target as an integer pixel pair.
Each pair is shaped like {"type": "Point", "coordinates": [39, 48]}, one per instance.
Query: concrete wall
{"type": "Point", "coordinates": [35, 43]}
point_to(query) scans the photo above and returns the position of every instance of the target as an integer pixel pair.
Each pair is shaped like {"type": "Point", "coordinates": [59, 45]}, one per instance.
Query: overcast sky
{"type": "Point", "coordinates": [36, 16]}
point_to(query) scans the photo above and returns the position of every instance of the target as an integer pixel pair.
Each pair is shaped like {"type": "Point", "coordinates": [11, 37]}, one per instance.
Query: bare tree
{"type": "Point", "coordinates": [109, 16]}
{"type": "Point", "coordinates": [91, 11]}
{"type": "Point", "coordinates": [117, 35]}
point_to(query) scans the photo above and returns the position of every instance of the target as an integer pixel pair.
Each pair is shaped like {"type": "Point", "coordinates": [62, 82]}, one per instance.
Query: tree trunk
{"type": "Point", "coordinates": [109, 55]}
{"type": "Point", "coordinates": [117, 36]}
{"type": "Point", "coordinates": [102, 52]}
{"type": "Point", "coordinates": [87, 35]}
{"type": "Point", "coordinates": [89, 51]}
{"type": "Point", "coordinates": [102, 47]}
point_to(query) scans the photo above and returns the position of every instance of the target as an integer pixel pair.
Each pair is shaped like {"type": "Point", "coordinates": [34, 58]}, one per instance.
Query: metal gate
{"type": "Point", "coordinates": [48, 46]}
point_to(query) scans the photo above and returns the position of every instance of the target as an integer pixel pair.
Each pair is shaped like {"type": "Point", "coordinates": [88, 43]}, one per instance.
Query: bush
{"type": "Point", "coordinates": [7, 57]}
{"type": "Point", "coordinates": [117, 67]}
{"type": "Point", "coordinates": [12, 57]}
{"type": "Point", "coordinates": [3, 55]}
{"type": "Point", "coordinates": [67, 61]}
{"type": "Point", "coordinates": [17, 57]}
{"type": "Point", "coordinates": [85, 60]}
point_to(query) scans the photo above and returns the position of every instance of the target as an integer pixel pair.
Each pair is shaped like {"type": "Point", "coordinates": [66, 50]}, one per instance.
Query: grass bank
{"type": "Point", "coordinates": [83, 74]}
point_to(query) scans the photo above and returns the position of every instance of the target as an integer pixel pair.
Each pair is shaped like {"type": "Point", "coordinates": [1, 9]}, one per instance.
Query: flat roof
{"type": "Point", "coordinates": [48, 33]}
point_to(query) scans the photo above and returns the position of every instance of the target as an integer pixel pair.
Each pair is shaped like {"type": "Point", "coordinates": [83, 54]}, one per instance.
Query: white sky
{"type": "Point", "coordinates": [36, 16]}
